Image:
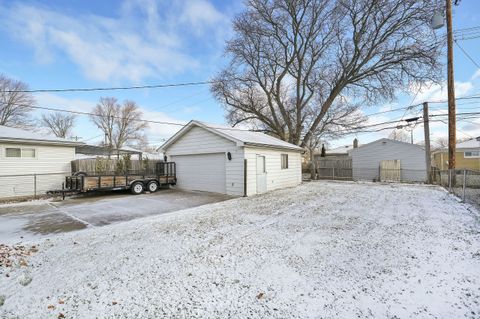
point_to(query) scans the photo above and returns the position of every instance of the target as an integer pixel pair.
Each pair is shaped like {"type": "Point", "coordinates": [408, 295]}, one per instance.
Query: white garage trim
{"type": "Point", "coordinates": [203, 172]}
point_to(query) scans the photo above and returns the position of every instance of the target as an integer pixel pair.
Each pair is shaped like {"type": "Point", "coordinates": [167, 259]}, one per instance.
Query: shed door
{"type": "Point", "coordinates": [202, 172]}
{"type": "Point", "coordinates": [261, 175]}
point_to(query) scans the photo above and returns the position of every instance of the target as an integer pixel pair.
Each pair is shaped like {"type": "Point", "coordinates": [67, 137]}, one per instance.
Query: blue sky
{"type": "Point", "coordinates": [59, 44]}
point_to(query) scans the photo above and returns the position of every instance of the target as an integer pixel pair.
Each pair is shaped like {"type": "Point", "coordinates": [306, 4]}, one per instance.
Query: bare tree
{"type": "Point", "coordinates": [441, 143]}
{"type": "Point", "coordinates": [400, 135]}
{"type": "Point", "coordinates": [14, 103]}
{"type": "Point", "coordinates": [104, 117]}
{"type": "Point", "coordinates": [58, 123]}
{"type": "Point", "coordinates": [120, 123]}
{"type": "Point", "coordinates": [292, 61]}
{"type": "Point", "coordinates": [342, 118]}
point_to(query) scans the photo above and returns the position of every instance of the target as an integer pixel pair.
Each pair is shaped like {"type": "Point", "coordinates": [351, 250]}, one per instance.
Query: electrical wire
{"type": "Point", "coordinates": [140, 87]}
{"type": "Point", "coordinates": [466, 53]}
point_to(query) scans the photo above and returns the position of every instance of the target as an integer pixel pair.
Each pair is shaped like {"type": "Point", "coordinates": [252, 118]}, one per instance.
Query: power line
{"type": "Point", "coordinates": [154, 86]}
{"type": "Point", "coordinates": [466, 53]}
{"type": "Point", "coordinates": [357, 130]}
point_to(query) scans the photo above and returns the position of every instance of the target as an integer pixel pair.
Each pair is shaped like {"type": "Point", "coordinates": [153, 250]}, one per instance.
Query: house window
{"type": "Point", "coordinates": [471, 154]}
{"type": "Point", "coordinates": [20, 152]}
{"type": "Point", "coordinates": [284, 161]}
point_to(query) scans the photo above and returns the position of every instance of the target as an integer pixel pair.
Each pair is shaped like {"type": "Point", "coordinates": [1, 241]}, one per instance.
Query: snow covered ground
{"type": "Point", "coordinates": [320, 250]}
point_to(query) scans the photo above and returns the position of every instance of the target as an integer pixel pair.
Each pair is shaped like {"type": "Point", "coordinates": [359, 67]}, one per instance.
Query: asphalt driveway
{"type": "Point", "coordinates": [31, 220]}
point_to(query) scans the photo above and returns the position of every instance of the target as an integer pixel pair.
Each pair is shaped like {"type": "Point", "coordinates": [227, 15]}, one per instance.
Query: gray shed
{"type": "Point", "coordinates": [380, 158]}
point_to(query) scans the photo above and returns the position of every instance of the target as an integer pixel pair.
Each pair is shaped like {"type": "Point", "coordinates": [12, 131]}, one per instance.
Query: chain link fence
{"type": "Point", "coordinates": [371, 174]}
{"type": "Point", "coordinates": [30, 185]}
{"type": "Point", "coordinates": [464, 183]}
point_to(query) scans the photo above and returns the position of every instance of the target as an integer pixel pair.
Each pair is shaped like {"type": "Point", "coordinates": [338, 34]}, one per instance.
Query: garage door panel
{"type": "Point", "coordinates": [203, 172]}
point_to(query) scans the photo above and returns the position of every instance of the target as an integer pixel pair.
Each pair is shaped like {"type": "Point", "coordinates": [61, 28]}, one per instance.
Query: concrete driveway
{"type": "Point", "coordinates": [31, 220]}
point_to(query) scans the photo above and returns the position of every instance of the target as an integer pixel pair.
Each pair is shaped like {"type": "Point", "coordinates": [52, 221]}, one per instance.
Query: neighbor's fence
{"type": "Point", "coordinates": [113, 166]}
{"type": "Point", "coordinates": [380, 174]}
{"type": "Point", "coordinates": [30, 185]}
{"type": "Point", "coordinates": [334, 168]}
{"type": "Point", "coordinates": [462, 182]}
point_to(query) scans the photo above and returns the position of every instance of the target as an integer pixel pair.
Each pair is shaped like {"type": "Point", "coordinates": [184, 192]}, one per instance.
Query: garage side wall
{"type": "Point", "coordinates": [54, 161]}
{"type": "Point", "coordinates": [276, 176]}
{"type": "Point", "coordinates": [200, 141]}
{"type": "Point", "coordinates": [366, 160]}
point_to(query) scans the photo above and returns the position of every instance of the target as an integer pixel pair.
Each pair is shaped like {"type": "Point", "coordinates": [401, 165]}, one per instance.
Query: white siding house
{"type": "Point", "coordinates": [366, 160]}
{"type": "Point", "coordinates": [231, 161]}
{"type": "Point", "coordinates": [31, 163]}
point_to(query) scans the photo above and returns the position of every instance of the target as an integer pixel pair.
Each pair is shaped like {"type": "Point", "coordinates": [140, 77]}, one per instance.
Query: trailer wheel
{"type": "Point", "coordinates": [152, 187]}
{"type": "Point", "coordinates": [80, 174]}
{"type": "Point", "coordinates": [137, 188]}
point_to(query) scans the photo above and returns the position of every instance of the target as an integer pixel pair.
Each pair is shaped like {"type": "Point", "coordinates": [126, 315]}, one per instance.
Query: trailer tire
{"type": "Point", "coordinates": [137, 188]}
{"type": "Point", "coordinates": [152, 187]}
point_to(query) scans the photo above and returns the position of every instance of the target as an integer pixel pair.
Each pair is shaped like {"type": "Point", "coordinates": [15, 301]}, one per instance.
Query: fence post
{"type": "Point", "coordinates": [34, 186]}
{"type": "Point", "coordinates": [333, 173]}
{"type": "Point", "coordinates": [450, 180]}
{"type": "Point", "coordinates": [464, 183]}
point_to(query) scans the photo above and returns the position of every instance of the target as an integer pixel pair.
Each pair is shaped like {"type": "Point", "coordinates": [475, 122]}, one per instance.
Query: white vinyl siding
{"type": "Point", "coordinates": [46, 160]}
{"type": "Point", "coordinates": [366, 160]}
{"type": "Point", "coordinates": [200, 141]}
{"type": "Point", "coordinates": [276, 176]}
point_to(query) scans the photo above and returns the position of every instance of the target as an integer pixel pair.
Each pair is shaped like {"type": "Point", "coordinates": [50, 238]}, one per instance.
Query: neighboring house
{"type": "Point", "coordinates": [25, 153]}
{"type": "Point", "coordinates": [467, 156]}
{"type": "Point", "coordinates": [368, 158]}
{"type": "Point", "coordinates": [230, 161]}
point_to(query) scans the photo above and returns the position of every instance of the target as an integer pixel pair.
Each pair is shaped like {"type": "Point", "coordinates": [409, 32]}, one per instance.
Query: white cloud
{"type": "Point", "coordinates": [476, 75]}
{"type": "Point", "coordinates": [56, 101]}
{"type": "Point", "coordinates": [200, 14]}
{"type": "Point", "coordinates": [143, 41]}
{"type": "Point", "coordinates": [438, 92]}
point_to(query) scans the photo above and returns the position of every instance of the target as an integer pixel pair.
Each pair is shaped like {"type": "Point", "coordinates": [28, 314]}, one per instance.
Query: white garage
{"type": "Point", "coordinates": [232, 161]}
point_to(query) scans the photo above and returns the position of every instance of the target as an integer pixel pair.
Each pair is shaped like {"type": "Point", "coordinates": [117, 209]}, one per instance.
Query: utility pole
{"type": "Point", "coordinates": [451, 90]}
{"type": "Point", "coordinates": [426, 129]}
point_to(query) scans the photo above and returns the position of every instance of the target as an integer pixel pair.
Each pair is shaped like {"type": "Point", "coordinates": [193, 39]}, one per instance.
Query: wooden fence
{"type": "Point", "coordinates": [105, 166]}
{"type": "Point", "coordinates": [390, 171]}
{"type": "Point", "coordinates": [334, 168]}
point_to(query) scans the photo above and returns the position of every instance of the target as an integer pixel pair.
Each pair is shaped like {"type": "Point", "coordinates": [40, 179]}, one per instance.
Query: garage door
{"type": "Point", "coordinates": [205, 172]}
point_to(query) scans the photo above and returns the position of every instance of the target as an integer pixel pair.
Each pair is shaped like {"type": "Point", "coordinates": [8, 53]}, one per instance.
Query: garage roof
{"type": "Point", "coordinates": [236, 135]}
{"type": "Point", "coordinates": [16, 135]}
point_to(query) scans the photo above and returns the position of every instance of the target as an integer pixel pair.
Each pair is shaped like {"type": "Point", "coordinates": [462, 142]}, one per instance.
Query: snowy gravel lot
{"type": "Point", "coordinates": [320, 250]}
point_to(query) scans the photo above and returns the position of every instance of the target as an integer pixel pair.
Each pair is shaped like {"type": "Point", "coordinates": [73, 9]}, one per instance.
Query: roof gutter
{"type": "Point", "coordinates": [297, 149]}
{"type": "Point", "coordinates": [42, 142]}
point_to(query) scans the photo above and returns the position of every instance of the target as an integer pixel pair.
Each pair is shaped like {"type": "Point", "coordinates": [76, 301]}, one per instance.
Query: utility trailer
{"type": "Point", "coordinates": [165, 174]}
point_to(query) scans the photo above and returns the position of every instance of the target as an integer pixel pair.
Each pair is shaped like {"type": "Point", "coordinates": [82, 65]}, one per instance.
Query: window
{"type": "Point", "coordinates": [471, 154]}
{"type": "Point", "coordinates": [20, 152]}
{"type": "Point", "coordinates": [13, 152]}
{"type": "Point", "coordinates": [284, 161]}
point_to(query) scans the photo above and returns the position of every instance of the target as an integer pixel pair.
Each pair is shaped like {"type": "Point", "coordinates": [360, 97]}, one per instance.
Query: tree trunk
{"type": "Point", "coordinates": [313, 170]}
